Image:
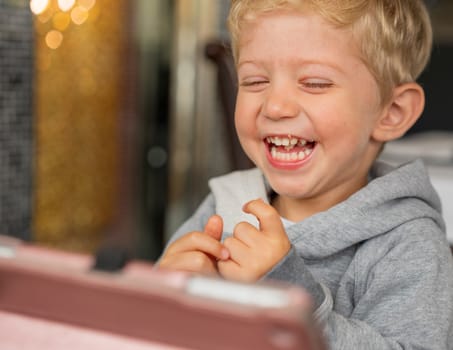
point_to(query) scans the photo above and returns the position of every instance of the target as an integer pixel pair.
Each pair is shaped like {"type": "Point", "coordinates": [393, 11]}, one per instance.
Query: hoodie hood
{"type": "Point", "coordinates": [393, 196]}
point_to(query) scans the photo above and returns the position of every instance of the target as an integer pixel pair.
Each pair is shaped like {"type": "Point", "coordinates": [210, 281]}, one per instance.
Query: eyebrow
{"type": "Point", "coordinates": [296, 62]}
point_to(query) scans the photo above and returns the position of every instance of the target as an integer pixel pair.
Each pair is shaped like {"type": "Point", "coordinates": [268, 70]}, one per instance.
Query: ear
{"type": "Point", "coordinates": [400, 113]}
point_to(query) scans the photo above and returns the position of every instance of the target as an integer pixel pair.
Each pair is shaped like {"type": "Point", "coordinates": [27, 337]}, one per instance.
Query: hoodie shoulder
{"type": "Point", "coordinates": [395, 197]}
{"type": "Point", "coordinates": [407, 180]}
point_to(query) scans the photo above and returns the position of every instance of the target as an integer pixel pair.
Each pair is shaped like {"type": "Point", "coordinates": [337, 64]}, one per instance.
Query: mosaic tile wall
{"type": "Point", "coordinates": [16, 47]}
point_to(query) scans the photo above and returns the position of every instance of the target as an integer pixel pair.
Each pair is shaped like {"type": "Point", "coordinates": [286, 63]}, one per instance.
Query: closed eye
{"type": "Point", "coordinates": [254, 85]}
{"type": "Point", "coordinates": [316, 86]}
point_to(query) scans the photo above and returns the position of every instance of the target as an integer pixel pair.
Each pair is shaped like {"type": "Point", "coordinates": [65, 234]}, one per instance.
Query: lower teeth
{"type": "Point", "coordinates": [289, 156]}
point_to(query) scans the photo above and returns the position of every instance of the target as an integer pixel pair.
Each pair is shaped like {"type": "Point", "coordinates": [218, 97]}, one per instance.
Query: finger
{"type": "Point", "coordinates": [268, 218]}
{"type": "Point", "coordinates": [239, 252]}
{"type": "Point", "coordinates": [198, 241]}
{"type": "Point", "coordinates": [214, 227]}
{"type": "Point", "coordinates": [246, 233]}
{"type": "Point", "coordinates": [195, 262]}
{"type": "Point", "coordinates": [230, 270]}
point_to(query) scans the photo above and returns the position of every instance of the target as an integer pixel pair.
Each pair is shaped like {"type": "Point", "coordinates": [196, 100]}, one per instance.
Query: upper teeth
{"type": "Point", "coordinates": [285, 141]}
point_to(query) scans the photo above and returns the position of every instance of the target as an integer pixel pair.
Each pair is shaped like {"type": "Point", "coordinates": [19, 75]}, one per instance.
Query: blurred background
{"type": "Point", "coordinates": [112, 119]}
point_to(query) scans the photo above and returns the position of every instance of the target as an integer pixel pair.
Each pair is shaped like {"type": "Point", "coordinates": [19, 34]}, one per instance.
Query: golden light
{"type": "Point", "coordinates": [45, 16]}
{"type": "Point", "coordinates": [38, 6]}
{"type": "Point", "coordinates": [61, 21]}
{"type": "Point", "coordinates": [86, 4]}
{"type": "Point", "coordinates": [44, 62]}
{"type": "Point", "coordinates": [87, 83]}
{"type": "Point", "coordinates": [65, 5]}
{"type": "Point", "coordinates": [54, 38]}
{"type": "Point", "coordinates": [79, 15]}
{"type": "Point", "coordinates": [94, 13]}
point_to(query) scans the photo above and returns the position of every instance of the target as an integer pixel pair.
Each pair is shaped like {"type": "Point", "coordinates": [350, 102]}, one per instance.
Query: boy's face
{"type": "Point", "coordinates": [302, 83]}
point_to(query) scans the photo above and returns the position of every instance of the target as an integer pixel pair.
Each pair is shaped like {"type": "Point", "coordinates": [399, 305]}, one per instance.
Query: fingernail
{"type": "Point", "coordinates": [225, 254]}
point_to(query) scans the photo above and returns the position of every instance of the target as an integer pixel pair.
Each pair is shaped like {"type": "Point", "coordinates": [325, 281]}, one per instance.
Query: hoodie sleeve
{"type": "Point", "coordinates": [292, 269]}
{"type": "Point", "coordinates": [402, 300]}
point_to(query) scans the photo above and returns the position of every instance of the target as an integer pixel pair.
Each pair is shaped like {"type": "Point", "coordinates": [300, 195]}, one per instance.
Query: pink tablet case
{"type": "Point", "coordinates": [52, 300]}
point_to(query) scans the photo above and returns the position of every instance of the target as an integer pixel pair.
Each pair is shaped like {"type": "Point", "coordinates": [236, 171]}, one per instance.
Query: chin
{"type": "Point", "coordinates": [287, 187]}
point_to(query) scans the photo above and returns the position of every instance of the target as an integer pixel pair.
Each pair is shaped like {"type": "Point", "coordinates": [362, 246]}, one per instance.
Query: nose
{"type": "Point", "coordinates": [281, 102]}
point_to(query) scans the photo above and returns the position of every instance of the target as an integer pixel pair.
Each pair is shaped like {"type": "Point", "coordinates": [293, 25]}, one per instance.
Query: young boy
{"type": "Point", "coordinates": [322, 86]}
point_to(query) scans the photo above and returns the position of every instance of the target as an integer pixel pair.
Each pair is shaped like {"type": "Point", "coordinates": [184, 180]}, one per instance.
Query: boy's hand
{"type": "Point", "coordinates": [197, 251]}
{"type": "Point", "coordinates": [253, 252]}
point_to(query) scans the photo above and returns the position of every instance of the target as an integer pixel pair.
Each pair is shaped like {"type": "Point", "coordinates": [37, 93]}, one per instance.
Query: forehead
{"type": "Point", "coordinates": [280, 34]}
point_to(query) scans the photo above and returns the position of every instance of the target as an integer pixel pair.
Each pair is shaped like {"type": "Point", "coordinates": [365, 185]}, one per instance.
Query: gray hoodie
{"type": "Point", "coordinates": [377, 265]}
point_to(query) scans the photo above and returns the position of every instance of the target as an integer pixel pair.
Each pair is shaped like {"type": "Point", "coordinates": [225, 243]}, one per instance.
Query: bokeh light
{"type": "Point", "coordinates": [58, 15]}
{"type": "Point", "coordinates": [79, 15]}
{"type": "Point", "coordinates": [86, 4]}
{"type": "Point", "coordinates": [38, 6]}
{"type": "Point", "coordinates": [54, 38]}
{"type": "Point", "coordinates": [45, 16]}
{"type": "Point", "coordinates": [61, 21]}
{"type": "Point", "coordinates": [65, 5]}
{"type": "Point", "coordinates": [79, 86]}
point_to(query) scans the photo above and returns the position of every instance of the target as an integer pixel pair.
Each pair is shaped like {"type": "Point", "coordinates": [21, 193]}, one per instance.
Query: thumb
{"type": "Point", "coordinates": [214, 227]}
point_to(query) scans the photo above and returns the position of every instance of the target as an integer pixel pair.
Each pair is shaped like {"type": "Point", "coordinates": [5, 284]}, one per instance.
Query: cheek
{"type": "Point", "coordinates": [247, 135]}
{"type": "Point", "coordinates": [345, 116]}
{"type": "Point", "coordinates": [244, 117]}
{"type": "Point", "coordinates": [345, 130]}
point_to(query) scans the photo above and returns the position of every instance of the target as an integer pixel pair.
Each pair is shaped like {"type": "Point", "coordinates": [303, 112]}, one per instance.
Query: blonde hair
{"type": "Point", "coordinates": [394, 37]}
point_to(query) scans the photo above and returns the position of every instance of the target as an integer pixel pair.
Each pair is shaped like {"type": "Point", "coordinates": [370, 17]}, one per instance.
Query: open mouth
{"type": "Point", "coordinates": [289, 148]}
